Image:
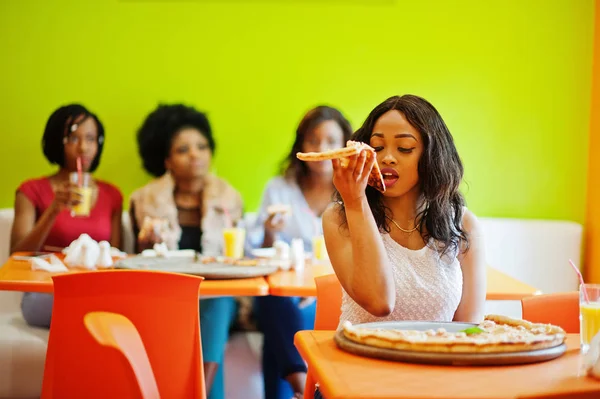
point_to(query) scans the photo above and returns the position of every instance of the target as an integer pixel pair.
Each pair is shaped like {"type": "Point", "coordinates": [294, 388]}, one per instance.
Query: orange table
{"type": "Point", "coordinates": [17, 276]}
{"type": "Point", "coordinates": [297, 283]}
{"type": "Point", "coordinates": [292, 283]}
{"type": "Point", "coordinates": [343, 375]}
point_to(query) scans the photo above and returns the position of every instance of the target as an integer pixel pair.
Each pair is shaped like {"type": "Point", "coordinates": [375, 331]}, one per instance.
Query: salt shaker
{"type": "Point", "coordinates": [282, 254]}
{"type": "Point", "coordinates": [297, 254]}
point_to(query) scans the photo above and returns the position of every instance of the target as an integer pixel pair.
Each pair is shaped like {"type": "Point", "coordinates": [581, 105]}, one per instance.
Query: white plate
{"type": "Point", "coordinates": [263, 252]}
{"type": "Point", "coordinates": [449, 326]}
{"type": "Point", "coordinates": [189, 266]}
{"type": "Point", "coordinates": [268, 253]}
{"type": "Point", "coordinates": [182, 253]}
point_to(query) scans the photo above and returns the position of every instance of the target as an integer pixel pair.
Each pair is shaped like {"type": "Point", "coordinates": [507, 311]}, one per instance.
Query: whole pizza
{"type": "Point", "coordinates": [496, 334]}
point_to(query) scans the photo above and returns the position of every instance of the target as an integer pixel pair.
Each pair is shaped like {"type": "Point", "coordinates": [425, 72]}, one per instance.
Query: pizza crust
{"type": "Point", "coordinates": [352, 148]}
{"type": "Point", "coordinates": [279, 209]}
{"type": "Point", "coordinates": [327, 155]}
{"type": "Point", "coordinates": [502, 335]}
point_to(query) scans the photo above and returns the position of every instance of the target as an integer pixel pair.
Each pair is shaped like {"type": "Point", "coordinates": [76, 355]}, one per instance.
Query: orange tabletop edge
{"type": "Point", "coordinates": [17, 275]}
{"type": "Point", "coordinates": [343, 375]}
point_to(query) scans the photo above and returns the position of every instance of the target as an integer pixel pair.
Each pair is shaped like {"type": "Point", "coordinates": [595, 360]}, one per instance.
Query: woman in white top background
{"type": "Point", "coordinates": [308, 188]}
{"type": "Point", "coordinates": [414, 252]}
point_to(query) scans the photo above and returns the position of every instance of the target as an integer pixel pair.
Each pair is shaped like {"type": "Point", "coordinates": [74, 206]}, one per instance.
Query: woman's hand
{"type": "Point", "coordinates": [66, 196]}
{"type": "Point", "coordinates": [152, 232]}
{"type": "Point", "coordinates": [351, 179]}
{"type": "Point", "coordinates": [274, 224]}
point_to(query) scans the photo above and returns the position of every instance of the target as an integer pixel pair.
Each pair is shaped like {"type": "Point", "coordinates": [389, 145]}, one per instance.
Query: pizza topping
{"type": "Point", "coordinates": [471, 330]}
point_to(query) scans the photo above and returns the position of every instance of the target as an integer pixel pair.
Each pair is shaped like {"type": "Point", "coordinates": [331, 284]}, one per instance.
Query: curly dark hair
{"type": "Point", "coordinates": [156, 135]}
{"type": "Point", "coordinates": [440, 174]}
{"type": "Point", "coordinates": [292, 167]}
{"type": "Point", "coordinates": [59, 126]}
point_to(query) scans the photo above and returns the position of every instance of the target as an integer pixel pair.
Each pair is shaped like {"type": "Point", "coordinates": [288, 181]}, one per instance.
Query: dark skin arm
{"type": "Point", "coordinates": [272, 225]}
{"type": "Point", "coordinates": [29, 234]}
{"type": "Point", "coordinates": [141, 245]}
{"type": "Point", "coordinates": [116, 228]}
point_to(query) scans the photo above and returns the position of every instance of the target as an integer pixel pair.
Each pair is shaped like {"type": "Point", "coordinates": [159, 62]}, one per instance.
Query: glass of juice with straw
{"type": "Point", "coordinates": [589, 310]}
{"type": "Point", "coordinates": [82, 182]}
{"type": "Point", "coordinates": [589, 313]}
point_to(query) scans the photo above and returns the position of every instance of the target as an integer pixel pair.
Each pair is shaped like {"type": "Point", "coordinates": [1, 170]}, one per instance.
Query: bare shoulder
{"type": "Point", "coordinates": [470, 223]}
{"type": "Point", "coordinates": [472, 228]}
{"type": "Point", "coordinates": [333, 219]}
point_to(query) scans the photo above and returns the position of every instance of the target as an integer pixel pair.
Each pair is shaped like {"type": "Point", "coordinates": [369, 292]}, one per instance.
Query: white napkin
{"type": "Point", "coordinates": [90, 252]}
{"type": "Point", "coordinates": [105, 256]}
{"type": "Point", "coordinates": [73, 253]}
{"type": "Point", "coordinates": [117, 253]}
{"type": "Point", "coordinates": [52, 265]}
{"type": "Point", "coordinates": [161, 250]}
{"type": "Point", "coordinates": [86, 252]}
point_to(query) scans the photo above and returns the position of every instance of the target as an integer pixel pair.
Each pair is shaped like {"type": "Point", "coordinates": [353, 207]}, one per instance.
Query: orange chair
{"type": "Point", "coordinates": [327, 316]}
{"type": "Point", "coordinates": [329, 302]}
{"type": "Point", "coordinates": [561, 309]}
{"type": "Point", "coordinates": [164, 309]}
{"type": "Point", "coordinates": [118, 332]}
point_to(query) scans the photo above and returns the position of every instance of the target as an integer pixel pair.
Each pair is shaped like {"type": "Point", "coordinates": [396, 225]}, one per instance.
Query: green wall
{"type": "Point", "coordinates": [512, 79]}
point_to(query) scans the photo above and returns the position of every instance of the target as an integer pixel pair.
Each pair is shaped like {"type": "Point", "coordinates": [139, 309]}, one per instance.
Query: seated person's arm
{"type": "Point", "coordinates": [135, 228]}
{"type": "Point", "coordinates": [359, 258]}
{"type": "Point", "coordinates": [116, 224]}
{"type": "Point", "coordinates": [472, 262]}
{"type": "Point", "coordinates": [266, 226]}
{"type": "Point", "coordinates": [149, 237]}
{"type": "Point", "coordinates": [27, 233]}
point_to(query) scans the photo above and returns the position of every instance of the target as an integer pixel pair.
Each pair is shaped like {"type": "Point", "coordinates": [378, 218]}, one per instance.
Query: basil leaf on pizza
{"type": "Point", "coordinates": [472, 330]}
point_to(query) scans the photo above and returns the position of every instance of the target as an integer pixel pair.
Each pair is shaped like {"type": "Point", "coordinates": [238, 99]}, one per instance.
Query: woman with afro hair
{"type": "Point", "coordinates": [176, 145]}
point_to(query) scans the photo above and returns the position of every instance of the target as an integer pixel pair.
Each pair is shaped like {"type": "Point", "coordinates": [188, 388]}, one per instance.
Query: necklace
{"type": "Point", "coordinates": [400, 228]}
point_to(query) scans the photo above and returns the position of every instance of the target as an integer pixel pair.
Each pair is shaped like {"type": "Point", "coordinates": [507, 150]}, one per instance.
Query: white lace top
{"type": "Point", "coordinates": [428, 286]}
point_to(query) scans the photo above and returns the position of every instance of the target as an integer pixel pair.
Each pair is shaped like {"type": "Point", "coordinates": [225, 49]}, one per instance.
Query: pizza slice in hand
{"type": "Point", "coordinates": [352, 148]}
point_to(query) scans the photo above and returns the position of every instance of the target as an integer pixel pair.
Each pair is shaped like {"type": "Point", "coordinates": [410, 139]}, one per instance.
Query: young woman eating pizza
{"type": "Point", "coordinates": [413, 252]}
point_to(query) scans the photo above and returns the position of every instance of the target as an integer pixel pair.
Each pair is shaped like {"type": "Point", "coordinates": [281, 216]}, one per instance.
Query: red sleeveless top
{"type": "Point", "coordinates": [67, 228]}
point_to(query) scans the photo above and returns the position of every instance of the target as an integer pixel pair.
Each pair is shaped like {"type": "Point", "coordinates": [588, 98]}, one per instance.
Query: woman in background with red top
{"type": "Point", "coordinates": [42, 206]}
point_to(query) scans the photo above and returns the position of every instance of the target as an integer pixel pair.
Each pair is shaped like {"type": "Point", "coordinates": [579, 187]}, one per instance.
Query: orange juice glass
{"type": "Point", "coordinates": [589, 313]}
{"type": "Point", "coordinates": [318, 248]}
{"type": "Point", "coordinates": [233, 240]}
{"type": "Point", "coordinates": [83, 187]}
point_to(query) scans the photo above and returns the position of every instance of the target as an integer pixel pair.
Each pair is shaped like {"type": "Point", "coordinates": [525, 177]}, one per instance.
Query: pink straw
{"type": "Point", "coordinates": [585, 295]}
{"type": "Point", "coordinates": [79, 171]}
